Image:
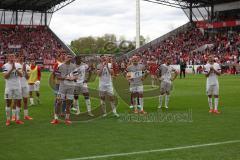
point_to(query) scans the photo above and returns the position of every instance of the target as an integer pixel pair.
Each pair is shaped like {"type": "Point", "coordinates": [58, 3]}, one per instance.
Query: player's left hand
{"type": "Point", "coordinates": [37, 83]}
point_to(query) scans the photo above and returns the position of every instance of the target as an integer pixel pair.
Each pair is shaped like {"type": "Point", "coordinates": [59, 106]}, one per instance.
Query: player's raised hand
{"type": "Point", "coordinates": [24, 68]}
{"type": "Point", "coordinates": [211, 69]}
{"type": "Point", "coordinates": [13, 66]}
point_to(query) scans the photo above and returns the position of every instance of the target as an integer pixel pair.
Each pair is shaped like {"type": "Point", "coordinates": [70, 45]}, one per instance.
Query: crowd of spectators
{"type": "Point", "coordinates": [37, 43]}
{"type": "Point", "coordinates": [193, 46]}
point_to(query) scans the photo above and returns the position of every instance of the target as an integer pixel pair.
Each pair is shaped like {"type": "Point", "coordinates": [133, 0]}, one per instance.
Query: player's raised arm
{"type": "Point", "coordinates": [89, 73]}
{"type": "Point", "coordinates": [19, 71]}
{"type": "Point", "coordinates": [6, 73]}
{"type": "Point", "coordinates": [126, 72]}
{"type": "Point", "coordinates": [101, 66]}
{"type": "Point", "coordinates": [26, 71]}
{"type": "Point", "coordinates": [217, 71]}
{"type": "Point", "coordinates": [159, 73]}
{"type": "Point", "coordinates": [175, 74]}
{"type": "Point", "coordinates": [110, 68]}
{"type": "Point", "coordinates": [58, 74]}
{"type": "Point", "coordinates": [206, 72]}
{"type": "Point", "coordinates": [145, 72]}
{"type": "Point", "coordinates": [100, 69]}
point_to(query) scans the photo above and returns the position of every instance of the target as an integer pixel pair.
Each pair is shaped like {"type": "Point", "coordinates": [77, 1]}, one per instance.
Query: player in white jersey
{"type": "Point", "coordinates": [81, 85]}
{"type": "Point", "coordinates": [105, 72]}
{"type": "Point", "coordinates": [135, 75]}
{"type": "Point", "coordinates": [12, 73]}
{"type": "Point", "coordinates": [24, 85]}
{"type": "Point", "coordinates": [65, 73]}
{"type": "Point", "coordinates": [166, 78]}
{"type": "Point", "coordinates": [212, 70]}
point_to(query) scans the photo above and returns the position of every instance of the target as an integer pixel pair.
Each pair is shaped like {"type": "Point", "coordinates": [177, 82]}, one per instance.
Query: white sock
{"type": "Point", "coordinates": [88, 104]}
{"type": "Point", "coordinates": [216, 103]}
{"type": "Point", "coordinates": [25, 112]}
{"type": "Point", "coordinates": [136, 103]}
{"type": "Point", "coordinates": [17, 113]}
{"type": "Point", "coordinates": [55, 116]}
{"type": "Point", "coordinates": [77, 107]}
{"type": "Point", "coordinates": [160, 100]}
{"type": "Point", "coordinates": [166, 100]}
{"type": "Point", "coordinates": [152, 83]}
{"type": "Point", "coordinates": [210, 103]}
{"type": "Point", "coordinates": [75, 102]}
{"type": "Point", "coordinates": [13, 112]}
{"type": "Point", "coordinates": [103, 106]}
{"type": "Point", "coordinates": [141, 103]}
{"type": "Point", "coordinates": [8, 112]}
{"type": "Point", "coordinates": [31, 100]}
{"type": "Point", "coordinates": [113, 107]}
{"type": "Point", "coordinates": [67, 116]}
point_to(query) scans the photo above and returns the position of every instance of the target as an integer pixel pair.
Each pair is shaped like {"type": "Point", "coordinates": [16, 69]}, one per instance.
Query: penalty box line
{"type": "Point", "coordinates": [154, 151]}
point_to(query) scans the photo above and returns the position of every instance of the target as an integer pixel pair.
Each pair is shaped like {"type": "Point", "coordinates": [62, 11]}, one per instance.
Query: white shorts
{"type": "Point", "coordinates": [12, 93]}
{"type": "Point", "coordinates": [66, 92]}
{"type": "Point", "coordinates": [25, 92]}
{"type": "Point", "coordinates": [153, 76]}
{"type": "Point", "coordinates": [81, 88]}
{"type": "Point", "coordinates": [33, 87]}
{"type": "Point", "coordinates": [136, 89]}
{"type": "Point", "coordinates": [106, 90]}
{"type": "Point", "coordinates": [165, 87]}
{"type": "Point", "coordinates": [212, 90]}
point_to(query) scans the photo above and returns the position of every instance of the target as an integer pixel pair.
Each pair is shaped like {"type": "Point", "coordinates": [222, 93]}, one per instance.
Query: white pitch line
{"type": "Point", "coordinates": [155, 150]}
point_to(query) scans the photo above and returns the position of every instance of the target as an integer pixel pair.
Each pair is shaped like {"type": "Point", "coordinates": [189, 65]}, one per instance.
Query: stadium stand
{"type": "Point", "coordinates": [218, 34]}
{"type": "Point", "coordinates": [37, 42]}
{"type": "Point", "coordinates": [193, 46]}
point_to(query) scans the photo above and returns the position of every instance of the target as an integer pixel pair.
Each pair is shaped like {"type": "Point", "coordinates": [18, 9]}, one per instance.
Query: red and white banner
{"type": "Point", "coordinates": [21, 26]}
{"type": "Point", "coordinates": [206, 25]}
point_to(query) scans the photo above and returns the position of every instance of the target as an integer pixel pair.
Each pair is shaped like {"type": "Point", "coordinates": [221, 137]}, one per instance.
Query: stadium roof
{"type": "Point", "coordinates": [186, 3]}
{"type": "Point", "coordinates": [55, 5]}
{"type": "Point", "coordinates": [34, 5]}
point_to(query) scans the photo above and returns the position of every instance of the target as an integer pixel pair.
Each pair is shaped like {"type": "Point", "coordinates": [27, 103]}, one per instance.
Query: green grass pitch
{"type": "Point", "coordinates": [39, 140]}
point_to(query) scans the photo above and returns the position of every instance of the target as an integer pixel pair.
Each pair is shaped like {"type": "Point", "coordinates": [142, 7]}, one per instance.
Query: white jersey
{"type": "Point", "coordinates": [13, 82]}
{"type": "Point", "coordinates": [212, 79]}
{"type": "Point", "coordinates": [82, 73]}
{"type": "Point", "coordinates": [105, 78]}
{"type": "Point", "coordinates": [23, 80]}
{"type": "Point", "coordinates": [166, 72]}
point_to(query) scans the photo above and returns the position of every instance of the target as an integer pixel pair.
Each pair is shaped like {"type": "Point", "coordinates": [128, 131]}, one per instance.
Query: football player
{"type": "Point", "coordinates": [105, 73]}
{"type": "Point", "coordinates": [12, 72]}
{"type": "Point", "coordinates": [67, 77]}
{"type": "Point", "coordinates": [212, 70]}
{"type": "Point", "coordinates": [81, 85]}
{"type": "Point", "coordinates": [135, 75]}
{"type": "Point", "coordinates": [153, 66]}
{"type": "Point", "coordinates": [34, 81]}
{"type": "Point", "coordinates": [24, 85]}
{"type": "Point", "coordinates": [166, 78]}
